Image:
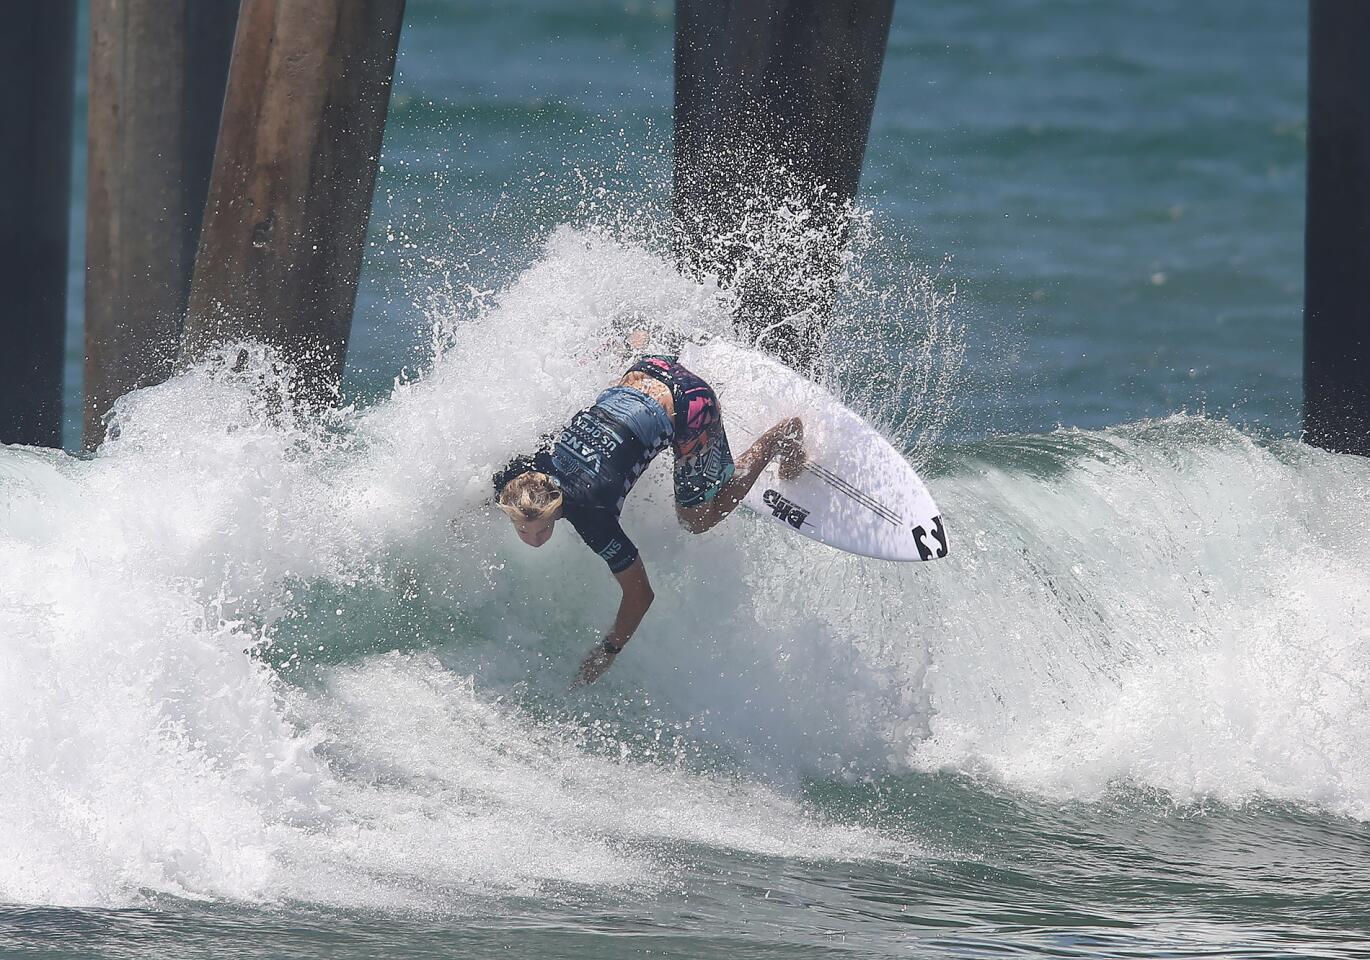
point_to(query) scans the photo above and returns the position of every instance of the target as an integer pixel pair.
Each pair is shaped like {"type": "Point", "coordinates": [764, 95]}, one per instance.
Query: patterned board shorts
{"type": "Point", "coordinates": [703, 462]}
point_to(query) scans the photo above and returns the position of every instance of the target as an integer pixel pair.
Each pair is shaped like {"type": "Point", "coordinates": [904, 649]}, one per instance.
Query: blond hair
{"type": "Point", "coordinates": [530, 496]}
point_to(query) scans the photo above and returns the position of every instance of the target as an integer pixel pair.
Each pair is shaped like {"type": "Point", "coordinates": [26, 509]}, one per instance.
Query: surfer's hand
{"type": "Point", "coordinates": [599, 659]}
{"type": "Point", "coordinates": [790, 444]}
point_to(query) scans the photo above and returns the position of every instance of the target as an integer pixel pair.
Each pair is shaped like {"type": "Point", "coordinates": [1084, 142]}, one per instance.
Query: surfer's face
{"type": "Point", "coordinates": [534, 532]}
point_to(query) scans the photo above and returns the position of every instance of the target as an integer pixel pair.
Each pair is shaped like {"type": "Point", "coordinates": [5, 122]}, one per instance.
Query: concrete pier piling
{"type": "Point", "coordinates": [37, 76]}
{"type": "Point", "coordinates": [773, 105]}
{"type": "Point", "coordinates": [1336, 320]}
{"type": "Point", "coordinates": [290, 195]}
{"type": "Point", "coordinates": [157, 74]}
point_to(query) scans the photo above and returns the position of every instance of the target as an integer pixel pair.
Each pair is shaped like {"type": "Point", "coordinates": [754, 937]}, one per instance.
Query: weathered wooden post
{"type": "Point", "coordinates": [37, 76]}
{"type": "Point", "coordinates": [773, 104]}
{"type": "Point", "coordinates": [156, 80]}
{"type": "Point", "coordinates": [1336, 318]}
{"type": "Point", "coordinates": [285, 225]}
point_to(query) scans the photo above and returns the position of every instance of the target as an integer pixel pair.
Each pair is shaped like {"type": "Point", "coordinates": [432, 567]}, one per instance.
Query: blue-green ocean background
{"type": "Point", "coordinates": [1115, 190]}
{"type": "Point", "coordinates": [276, 692]}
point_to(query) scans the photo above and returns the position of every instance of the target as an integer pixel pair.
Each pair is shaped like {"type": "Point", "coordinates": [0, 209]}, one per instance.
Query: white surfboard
{"type": "Point", "coordinates": [857, 492]}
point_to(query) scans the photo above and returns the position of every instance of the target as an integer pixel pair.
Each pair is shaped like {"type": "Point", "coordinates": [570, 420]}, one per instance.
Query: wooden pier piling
{"type": "Point", "coordinates": [37, 76]}
{"type": "Point", "coordinates": [1336, 319]}
{"type": "Point", "coordinates": [290, 195]}
{"type": "Point", "coordinates": [157, 75]}
{"type": "Point", "coordinates": [773, 105]}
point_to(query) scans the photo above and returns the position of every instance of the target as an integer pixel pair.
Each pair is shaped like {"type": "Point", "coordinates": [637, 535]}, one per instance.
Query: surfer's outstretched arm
{"type": "Point", "coordinates": [785, 439]}
{"type": "Point", "coordinates": [637, 597]}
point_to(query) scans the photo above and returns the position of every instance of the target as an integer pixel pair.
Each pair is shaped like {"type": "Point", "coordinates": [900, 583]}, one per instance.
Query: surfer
{"type": "Point", "coordinates": [584, 474]}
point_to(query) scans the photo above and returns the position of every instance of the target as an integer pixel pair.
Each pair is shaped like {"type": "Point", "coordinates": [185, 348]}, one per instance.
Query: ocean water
{"type": "Point", "coordinates": [279, 687]}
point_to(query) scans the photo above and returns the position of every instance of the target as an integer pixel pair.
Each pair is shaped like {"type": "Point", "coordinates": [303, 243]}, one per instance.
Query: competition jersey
{"type": "Point", "coordinates": [595, 461]}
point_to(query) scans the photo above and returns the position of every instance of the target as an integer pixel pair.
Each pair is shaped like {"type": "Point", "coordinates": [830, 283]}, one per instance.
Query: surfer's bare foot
{"type": "Point", "coordinates": [792, 455]}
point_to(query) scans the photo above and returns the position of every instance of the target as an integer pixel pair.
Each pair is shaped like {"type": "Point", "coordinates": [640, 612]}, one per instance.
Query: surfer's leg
{"type": "Point", "coordinates": [786, 439]}
{"type": "Point", "coordinates": [703, 462]}
{"type": "Point", "coordinates": [701, 476]}
{"type": "Point", "coordinates": [708, 485]}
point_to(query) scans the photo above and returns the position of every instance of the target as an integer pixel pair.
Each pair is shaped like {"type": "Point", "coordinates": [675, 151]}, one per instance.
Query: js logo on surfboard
{"type": "Point", "coordinates": [784, 509]}
{"type": "Point", "coordinates": [925, 549]}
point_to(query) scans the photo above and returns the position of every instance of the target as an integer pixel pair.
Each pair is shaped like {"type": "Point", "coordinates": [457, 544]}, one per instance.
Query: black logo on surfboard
{"type": "Point", "coordinates": [784, 509]}
{"type": "Point", "coordinates": [925, 551]}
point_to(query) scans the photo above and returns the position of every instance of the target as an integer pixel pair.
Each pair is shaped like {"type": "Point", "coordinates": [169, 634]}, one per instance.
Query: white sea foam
{"type": "Point", "coordinates": [145, 747]}
{"type": "Point", "coordinates": [1178, 607]}
{"type": "Point", "coordinates": [1170, 605]}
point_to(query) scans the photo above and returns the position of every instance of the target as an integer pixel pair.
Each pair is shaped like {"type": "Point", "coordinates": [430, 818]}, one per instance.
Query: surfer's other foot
{"type": "Point", "coordinates": [792, 455]}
